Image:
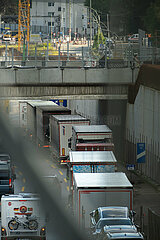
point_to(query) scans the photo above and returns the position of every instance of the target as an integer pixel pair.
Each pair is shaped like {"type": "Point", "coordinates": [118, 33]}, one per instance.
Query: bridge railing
{"type": "Point", "coordinates": [63, 56]}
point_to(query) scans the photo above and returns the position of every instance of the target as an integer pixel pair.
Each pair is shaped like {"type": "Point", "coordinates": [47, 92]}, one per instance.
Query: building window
{"type": "Point", "coordinates": [49, 24]}
{"type": "Point", "coordinates": [59, 9]}
{"type": "Point", "coordinates": [50, 4]}
{"type": "Point", "coordinates": [50, 14]}
{"type": "Point", "coordinates": [64, 10]}
{"type": "Point", "coordinates": [82, 16]}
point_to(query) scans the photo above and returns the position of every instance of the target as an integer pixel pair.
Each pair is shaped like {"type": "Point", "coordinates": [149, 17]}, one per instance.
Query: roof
{"type": "Point", "coordinates": [63, 118]}
{"type": "Point", "coordinates": [36, 103]}
{"type": "Point", "coordinates": [53, 108]}
{"type": "Point", "coordinates": [26, 196]}
{"type": "Point", "coordinates": [92, 156]}
{"type": "Point", "coordinates": [99, 180]}
{"type": "Point", "coordinates": [92, 128]}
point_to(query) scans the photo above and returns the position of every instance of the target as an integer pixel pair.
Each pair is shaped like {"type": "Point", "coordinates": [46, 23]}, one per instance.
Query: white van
{"type": "Point", "coordinates": [22, 217]}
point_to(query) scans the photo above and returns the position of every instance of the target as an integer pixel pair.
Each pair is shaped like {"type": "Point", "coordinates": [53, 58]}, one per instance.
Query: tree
{"type": "Point", "coordinates": [9, 7]}
{"type": "Point", "coordinates": [152, 18]}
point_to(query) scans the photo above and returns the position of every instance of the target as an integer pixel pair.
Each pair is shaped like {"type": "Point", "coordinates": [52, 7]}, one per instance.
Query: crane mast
{"type": "Point", "coordinates": [23, 22]}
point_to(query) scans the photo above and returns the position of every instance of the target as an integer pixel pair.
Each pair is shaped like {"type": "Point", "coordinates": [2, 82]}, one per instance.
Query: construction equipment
{"type": "Point", "coordinates": [23, 22]}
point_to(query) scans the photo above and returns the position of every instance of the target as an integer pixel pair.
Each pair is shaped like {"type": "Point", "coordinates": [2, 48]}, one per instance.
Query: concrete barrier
{"type": "Point", "coordinates": [27, 76]}
{"type": "Point", "coordinates": [7, 76]}
{"type": "Point", "coordinates": [73, 75]}
{"type": "Point", "coordinates": [53, 75]}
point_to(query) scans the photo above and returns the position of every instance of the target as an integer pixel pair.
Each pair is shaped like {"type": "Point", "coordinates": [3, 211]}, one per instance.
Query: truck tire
{"type": "Point", "coordinates": [13, 224]}
{"type": "Point", "coordinates": [32, 224]}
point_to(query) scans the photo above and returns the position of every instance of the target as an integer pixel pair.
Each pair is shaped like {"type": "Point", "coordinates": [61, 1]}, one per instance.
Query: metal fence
{"type": "Point", "coordinates": [65, 55]}
{"type": "Point", "coordinates": [151, 167]}
{"type": "Point", "coordinates": [153, 225]}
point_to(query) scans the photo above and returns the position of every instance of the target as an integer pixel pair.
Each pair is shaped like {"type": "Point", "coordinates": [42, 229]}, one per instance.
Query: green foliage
{"type": "Point", "coordinates": [152, 19]}
{"type": "Point", "coordinates": [98, 39]}
{"type": "Point", "coordinates": [9, 7]}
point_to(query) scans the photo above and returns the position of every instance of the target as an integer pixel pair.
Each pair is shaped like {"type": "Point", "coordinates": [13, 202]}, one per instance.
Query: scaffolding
{"type": "Point", "coordinates": [23, 22]}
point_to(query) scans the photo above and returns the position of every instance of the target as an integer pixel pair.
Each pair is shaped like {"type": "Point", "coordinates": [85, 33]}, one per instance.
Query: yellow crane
{"type": "Point", "coordinates": [23, 22]}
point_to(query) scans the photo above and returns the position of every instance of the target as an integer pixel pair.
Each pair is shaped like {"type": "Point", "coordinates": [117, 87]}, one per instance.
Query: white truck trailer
{"type": "Point", "coordinates": [93, 190]}
{"type": "Point", "coordinates": [92, 138]}
{"type": "Point", "coordinates": [38, 113]}
{"type": "Point", "coordinates": [61, 131]}
{"type": "Point", "coordinates": [22, 217]}
{"type": "Point", "coordinates": [91, 162]}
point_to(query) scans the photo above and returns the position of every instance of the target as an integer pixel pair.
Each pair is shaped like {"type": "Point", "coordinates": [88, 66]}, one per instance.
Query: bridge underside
{"type": "Point", "coordinates": [67, 91]}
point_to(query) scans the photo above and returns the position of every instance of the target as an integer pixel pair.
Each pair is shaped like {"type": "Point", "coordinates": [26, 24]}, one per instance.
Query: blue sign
{"type": "Point", "coordinates": [130, 167]}
{"type": "Point", "coordinates": [62, 102]}
{"type": "Point", "coordinates": [141, 153]}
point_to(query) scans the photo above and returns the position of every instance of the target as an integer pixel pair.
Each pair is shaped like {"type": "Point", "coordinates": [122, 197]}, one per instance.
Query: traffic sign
{"type": "Point", "coordinates": [60, 102]}
{"type": "Point", "coordinates": [141, 153]}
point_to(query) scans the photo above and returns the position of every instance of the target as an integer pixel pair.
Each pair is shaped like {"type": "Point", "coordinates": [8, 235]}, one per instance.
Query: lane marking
{"type": "Point", "coordinates": [24, 180]}
{"type": "Point", "coordinates": [22, 189]}
{"type": "Point", "coordinates": [20, 173]}
{"type": "Point", "coordinates": [53, 166]}
{"type": "Point", "coordinates": [67, 188]}
{"type": "Point", "coordinates": [65, 179]}
{"type": "Point", "coordinates": [60, 172]}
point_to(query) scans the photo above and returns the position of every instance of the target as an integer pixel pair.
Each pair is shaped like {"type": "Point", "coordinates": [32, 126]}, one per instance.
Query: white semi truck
{"type": "Point", "coordinates": [92, 190]}
{"type": "Point", "coordinates": [92, 138]}
{"type": "Point", "coordinates": [21, 217]}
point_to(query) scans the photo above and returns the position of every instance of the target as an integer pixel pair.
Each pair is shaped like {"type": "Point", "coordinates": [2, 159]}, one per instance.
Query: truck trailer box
{"type": "Point", "coordinates": [43, 114]}
{"type": "Point", "coordinates": [92, 138]}
{"type": "Point", "coordinates": [61, 131]}
{"type": "Point", "coordinates": [38, 120]}
{"type": "Point", "coordinates": [31, 115]}
{"type": "Point", "coordinates": [22, 217]}
{"type": "Point", "coordinates": [91, 162]}
{"type": "Point", "coordinates": [93, 190]}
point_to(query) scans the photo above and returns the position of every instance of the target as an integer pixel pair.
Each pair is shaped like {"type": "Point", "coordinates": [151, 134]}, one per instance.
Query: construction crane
{"type": "Point", "coordinates": [23, 22]}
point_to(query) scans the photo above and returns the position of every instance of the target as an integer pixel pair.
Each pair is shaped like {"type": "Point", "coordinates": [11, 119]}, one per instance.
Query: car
{"type": "Point", "coordinates": [5, 157]}
{"type": "Point", "coordinates": [107, 222]}
{"type": "Point", "coordinates": [134, 38]}
{"type": "Point", "coordinates": [110, 212]}
{"type": "Point", "coordinates": [118, 233]}
{"type": "Point", "coordinates": [125, 236]}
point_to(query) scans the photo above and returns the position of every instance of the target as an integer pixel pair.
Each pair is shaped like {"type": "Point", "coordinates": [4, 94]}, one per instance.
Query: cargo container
{"type": "Point", "coordinates": [91, 190]}
{"type": "Point", "coordinates": [43, 114]}
{"type": "Point", "coordinates": [91, 162]}
{"type": "Point", "coordinates": [91, 138]}
{"type": "Point", "coordinates": [61, 131]}
{"type": "Point", "coordinates": [38, 113]}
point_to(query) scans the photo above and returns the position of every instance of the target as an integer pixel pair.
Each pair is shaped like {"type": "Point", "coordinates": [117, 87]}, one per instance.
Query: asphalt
{"type": "Point", "coordinates": [146, 195]}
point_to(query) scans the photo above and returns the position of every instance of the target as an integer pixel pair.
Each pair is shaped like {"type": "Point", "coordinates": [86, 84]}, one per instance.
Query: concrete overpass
{"type": "Point", "coordinates": [68, 83]}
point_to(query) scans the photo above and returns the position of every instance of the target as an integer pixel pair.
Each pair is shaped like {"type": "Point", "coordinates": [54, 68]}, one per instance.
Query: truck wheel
{"type": "Point", "coordinates": [32, 224]}
{"type": "Point", "coordinates": [13, 224]}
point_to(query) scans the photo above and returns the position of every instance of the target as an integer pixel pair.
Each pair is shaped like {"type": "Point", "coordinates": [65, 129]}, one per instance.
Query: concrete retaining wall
{"type": "Point", "coordinates": [144, 115]}
{"type": "Point", "coordinates": [66, 75]}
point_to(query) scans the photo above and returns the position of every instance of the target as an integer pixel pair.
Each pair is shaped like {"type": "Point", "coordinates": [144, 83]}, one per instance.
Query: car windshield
{"type": "Point", "coordinates": [114, 213]}
{"type": "Point", "coordinates": [111, 222]}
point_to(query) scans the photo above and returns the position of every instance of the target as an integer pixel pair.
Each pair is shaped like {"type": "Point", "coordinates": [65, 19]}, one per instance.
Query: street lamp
{"type": "Point", "coordinates": [90, 17]}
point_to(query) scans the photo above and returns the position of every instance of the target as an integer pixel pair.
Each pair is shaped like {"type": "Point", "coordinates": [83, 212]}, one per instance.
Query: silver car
{"type": "Point", "coordinates": [108, 222]}
{"type": "Point", "coordinates": [110, 212]}
{"type": "Point", "coordinates": [119, 232]}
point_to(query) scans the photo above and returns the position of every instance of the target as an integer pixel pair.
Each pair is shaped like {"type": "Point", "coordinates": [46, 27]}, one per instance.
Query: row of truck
{"type": "Point", "coordinates": [88, 153]}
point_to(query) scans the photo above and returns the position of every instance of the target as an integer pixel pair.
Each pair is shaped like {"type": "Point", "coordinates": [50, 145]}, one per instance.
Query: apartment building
{"type": "Point", "coordinates": [58, 16]}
